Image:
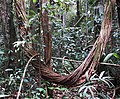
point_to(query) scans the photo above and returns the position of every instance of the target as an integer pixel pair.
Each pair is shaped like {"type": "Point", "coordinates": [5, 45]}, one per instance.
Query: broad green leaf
{"type": "Point", "coordinates": [41, 90]}
{"type": "Point", "coordinates": [93, 77]}
{"type": "Point", "coordinates": [1, 96]}
{"type": "Point", "coordinates": [91, 91]}
{"type": "Point", "coordinates": [108, 57]}
{"type": "Point", "coordinates": [116, 56]}
{"type": "Point", "coordinates": [57, 88]}
{"type": "Point", "coordinates": [25, 80]}
{"type": "Point", "coordinates": [87, 77]}
{"type": "Point", "coordinates": [8, 69]}
{"type": "Point", "coordinates": [105, 82]}
{"type": "Point", "coordinates": [1, 52]}
{"type": "Point", "coordinates": [101, 74]}
{"type": "Point", "coordinates": [62, 89]}
{"type": "Point", "coordinates": [94, 88]}
{"type": "Point", "coordinates": [33, 91]}
{"type": "Point", "coordinates": [85, 91]}
{"type": "Point", "coordinates": [18, 43]}
{"type": "Point", "coordinates": [82, 88]}
{"type": "Point", "coordinates": [34, 1]}
{"type": "Point", "coordinates": [51, 88]}
{"type": "Point", "coordinates": [33, 12]}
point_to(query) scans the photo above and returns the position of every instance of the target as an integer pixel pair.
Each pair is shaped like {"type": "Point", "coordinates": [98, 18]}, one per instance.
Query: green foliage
{"type": "Point", "coordinates": [2, 58]}
{"type": "Point", "coordinates": [109, 56]}
{"type": "Point", "coordinates": [19, 43]}
{"type": "Point", "coordinates": [34, 1]}
{"type": "Point", "coordinates": [1, 52]}
{"type": "Point", "coordinates": [116, 56]}
{"type": "Point", "coordinates": [95, 86]}
{"type": "Point", "coordinates": [71, 37]}
{"type": "Point", "coordinates": [3, 96]}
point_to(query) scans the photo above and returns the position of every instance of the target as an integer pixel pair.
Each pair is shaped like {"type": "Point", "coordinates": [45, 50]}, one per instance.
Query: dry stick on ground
{"type": "Point", "coordinates": [88, 65]}
{"type": "Point", "coordinates": [24, 74]}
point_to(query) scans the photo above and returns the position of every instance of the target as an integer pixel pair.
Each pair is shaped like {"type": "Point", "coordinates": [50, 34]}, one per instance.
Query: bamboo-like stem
{"type": "Point", "coordinates": [24, 74]}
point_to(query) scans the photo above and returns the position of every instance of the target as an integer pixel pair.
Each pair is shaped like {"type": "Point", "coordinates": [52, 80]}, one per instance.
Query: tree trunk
{"type": "Point", "coordinates": [47, 35]}
{"type": "Point", "coordinates": [78, 9]}
{"type": "Point", "coordinates": [89, 64]}
{"type": "Point", "coordinates": [8, 30]}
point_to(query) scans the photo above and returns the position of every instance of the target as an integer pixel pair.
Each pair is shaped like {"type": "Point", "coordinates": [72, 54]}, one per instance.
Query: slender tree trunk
{"type": "Point", "coordinates": [8, 30]}
{"type": "Point", "coordinates": [118, 10]}
{"type": "Point", "coordinates": [47, 35]}
{"type": "Point", "coordinates": [12, 34]}
{"type": "Point", "coordinates": [78, 9]}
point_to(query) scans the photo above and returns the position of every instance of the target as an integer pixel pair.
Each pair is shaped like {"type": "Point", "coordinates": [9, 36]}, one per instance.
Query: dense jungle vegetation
{"type": "Point", "coordinates": [60, 49]}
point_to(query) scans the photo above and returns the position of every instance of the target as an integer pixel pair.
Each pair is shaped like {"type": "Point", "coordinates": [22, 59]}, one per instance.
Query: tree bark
{"type": "Point", "coordinates": [78, 9]}
{"type": "Point", "coordinates": [89, 64]}
{"type": "Point", "coordinates": [8, 30]}
{"type": "Point", "coordinates": [47, 36]}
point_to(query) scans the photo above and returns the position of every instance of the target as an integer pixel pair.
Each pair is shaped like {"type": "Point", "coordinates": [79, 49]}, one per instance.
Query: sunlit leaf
{"type": "Point", "coordinates": [34, 1]}
{"type": "Point", "coordinates": [116, 56]}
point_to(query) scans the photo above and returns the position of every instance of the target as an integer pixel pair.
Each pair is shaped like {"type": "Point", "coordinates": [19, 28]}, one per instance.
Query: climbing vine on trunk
{"type": "Point", "coordinates": [89, 65]}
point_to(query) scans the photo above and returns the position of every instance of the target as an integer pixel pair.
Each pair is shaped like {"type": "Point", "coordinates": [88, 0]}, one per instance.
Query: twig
{"type": "Point", "coordinates": [109, 64]}
{"type": "Point", "coordinates": [89, 46]}
{"type": "Point", "coordinates": [67, 59]}
{"type": "Point", "coordinates": [24, 74]}
{"type": "Point", "coordinates": [80, 19]}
